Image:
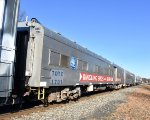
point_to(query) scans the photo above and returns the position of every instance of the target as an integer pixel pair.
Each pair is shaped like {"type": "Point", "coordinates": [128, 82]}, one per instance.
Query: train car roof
{"type": "Point", "coordinates": [57, 36]}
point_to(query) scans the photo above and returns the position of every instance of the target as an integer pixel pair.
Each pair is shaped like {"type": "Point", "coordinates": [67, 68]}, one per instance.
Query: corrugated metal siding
{"type": "Point", "coordinates": [7, 44]}
{"type": "Point", "coordinates": [4, 87]}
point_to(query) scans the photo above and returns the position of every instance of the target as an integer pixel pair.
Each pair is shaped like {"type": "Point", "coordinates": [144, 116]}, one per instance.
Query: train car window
{"type": "Point", "coordinates": [97, 69]}
{"type": "Point", "coordinates": [64, 61]}
{"type": "Point", "coordinates": [54, 58]}
{"type": "Point", "coordinates": [82, 65]}
{"type": "Point", "coordinates": [112, 72]}
{"type": "Point", "coordinates": [85, 66]}
{"type": "Point", "coordinates": [109, 70]}
{"type": "Point", "coordinates": [100, 70]}
{"type": "Point", "coordinates": [119, 74]}
{"type": "Point", "coordinates": [106, 71]}
{"type": "Point", "coordinates": [79, 64]}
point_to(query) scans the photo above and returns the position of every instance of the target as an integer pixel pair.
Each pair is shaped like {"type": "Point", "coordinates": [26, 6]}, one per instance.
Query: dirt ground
{"type": "Point", "coordinates": [137, 107]}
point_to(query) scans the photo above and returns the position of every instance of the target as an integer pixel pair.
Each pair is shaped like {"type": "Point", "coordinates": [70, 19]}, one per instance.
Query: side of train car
{"type": "Point", "coordinates": [8, 23]}
{"type": "Point", "coordinates": [53, 68]}
{"type": "Point", "coordinates": [49, 67]}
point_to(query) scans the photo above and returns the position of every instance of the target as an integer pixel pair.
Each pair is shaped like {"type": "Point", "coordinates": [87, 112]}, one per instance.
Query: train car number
{"type": "Point", "coordinates": [56, 77]}
{"type": "Point", "coordinates": [56, 82]}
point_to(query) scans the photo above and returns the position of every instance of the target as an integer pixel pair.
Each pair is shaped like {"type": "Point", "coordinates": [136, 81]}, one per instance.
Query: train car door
{"type": "Point", "coordinates": [20, 61]}
{"type": "Point", "coordinates": [115, 74]}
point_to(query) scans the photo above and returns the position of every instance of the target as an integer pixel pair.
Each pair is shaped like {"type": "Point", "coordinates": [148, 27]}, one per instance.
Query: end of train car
{"type": "Point", "coordinates": [129, 78]}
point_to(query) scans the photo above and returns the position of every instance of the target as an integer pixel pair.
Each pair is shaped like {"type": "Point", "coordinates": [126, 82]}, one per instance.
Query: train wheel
{"type": "Point", "coordinates": [45, 101]}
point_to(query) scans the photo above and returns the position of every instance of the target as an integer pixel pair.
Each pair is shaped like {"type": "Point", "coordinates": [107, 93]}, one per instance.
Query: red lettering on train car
{"type": "Point", "coordinates": [86, 77]}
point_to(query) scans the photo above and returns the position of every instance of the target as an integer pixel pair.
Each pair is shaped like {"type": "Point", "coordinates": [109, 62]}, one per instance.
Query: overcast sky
{"type": "Point", "coordinates": [118, 30]}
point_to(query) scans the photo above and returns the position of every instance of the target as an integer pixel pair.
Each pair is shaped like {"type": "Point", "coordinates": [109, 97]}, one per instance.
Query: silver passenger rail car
{"type": "Point", "coordinates": [138, 80]}
{"type": "Point", "coordinates": [118, 76]}
{"type": "Point", "coordinates": [54, 68]}
{"type": "Point", "coordinates": [129, 78]}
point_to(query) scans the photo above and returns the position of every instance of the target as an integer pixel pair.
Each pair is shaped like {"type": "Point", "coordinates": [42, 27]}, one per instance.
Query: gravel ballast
{"type": "Point", "coordinates": [96, 107]}
{"type": "Point", "coordinates": [137, 107]}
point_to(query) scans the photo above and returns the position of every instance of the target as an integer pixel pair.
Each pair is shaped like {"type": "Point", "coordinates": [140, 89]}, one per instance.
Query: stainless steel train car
{"type": "Point", "coordinates": [50, 67]}
{"type": "Point", "coordinates": [8, 24]}
{"type": "Point", "coordinates": [119, 80]}
{"type": "Point", "coordinates": [129, 78]}
{"type": "Point", "coordinates": [53, 67]}
{"type": "Point", "coordinates": [138, 80]}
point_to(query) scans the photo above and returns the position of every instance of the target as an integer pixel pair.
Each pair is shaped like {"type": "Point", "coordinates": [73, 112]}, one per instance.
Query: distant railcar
{"type": "Point", "coordinates": [138, 80]}
{"type": "Point", "coordinates": [129, 78]}
{"type": "Point", "coordinates": [119, 80]}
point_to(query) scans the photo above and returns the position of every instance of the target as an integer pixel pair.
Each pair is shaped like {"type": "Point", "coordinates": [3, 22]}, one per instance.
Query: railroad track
{"type": "Point", "coordinates": [8, 111]}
